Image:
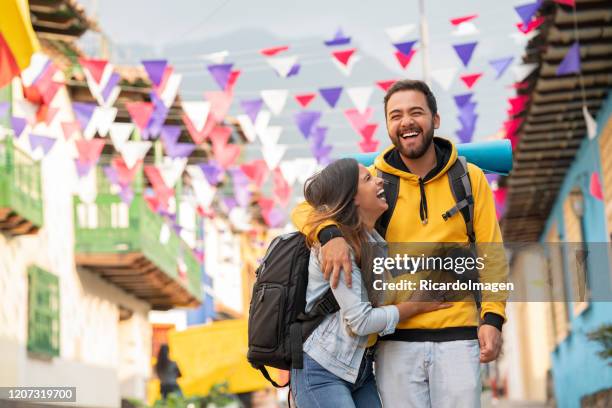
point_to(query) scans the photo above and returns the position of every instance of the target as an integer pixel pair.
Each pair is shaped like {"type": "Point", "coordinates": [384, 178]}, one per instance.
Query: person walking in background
{"type": "Point", "coordinates": [167, 370]}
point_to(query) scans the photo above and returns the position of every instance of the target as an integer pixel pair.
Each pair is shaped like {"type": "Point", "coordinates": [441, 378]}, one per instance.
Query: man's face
{"type": "Point", "coordinates": [410, 123]}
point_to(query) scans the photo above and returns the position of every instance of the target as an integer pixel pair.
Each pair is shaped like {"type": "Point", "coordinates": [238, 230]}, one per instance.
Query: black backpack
{"type": "Point", "coordinates": [278, 324]}
{"type": "Point", "coordinates": [461, 187]}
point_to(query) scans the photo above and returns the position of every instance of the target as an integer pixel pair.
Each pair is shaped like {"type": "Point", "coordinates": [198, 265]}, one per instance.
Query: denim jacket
{"type": "Point", "coordinates": [330, 344]}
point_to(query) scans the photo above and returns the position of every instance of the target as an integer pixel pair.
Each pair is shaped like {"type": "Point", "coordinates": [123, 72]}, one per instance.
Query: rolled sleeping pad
{"type": "Point", "coordinates": [494, 156]}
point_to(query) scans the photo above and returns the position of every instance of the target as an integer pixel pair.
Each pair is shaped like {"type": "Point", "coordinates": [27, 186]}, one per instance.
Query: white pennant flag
{"type": "Point", "coordinates": [38, 63]}
{"type": "Point", "coordinates": [120, 133]}
{"type": "Point", "coordinates": [273, 154]}
{"type": "Point", "coordinates": [112, 97]}
{"type": "Point", "coordinates": [275, 99]}
{"type": "Point", "coordinates": [171, 169]}
{"type": "Point", "coordinates": [247, 127]}
{"type": "Point", "coordinates": [360, 96]}
{"type": "Point", "coordinates": [444, 77]}
{"type": "Point", "coordinates": [348, 68]}
{"type": "Point", "coordinates": [305, 167]}
{"type": "Point", "coordinates": [164, 234]}
{"type": "Point", "coordinates": [217, 57]}
{"type": "Point", "coordinates": [96, 88]}
{"type": "Point", "coordinates": [86, 188]}
{"type": "Point", "coordinates": [466, 28]}
{"type": "Point", "coordinates": [271, 135]}
{"type": "Point", "coordinates": [522, 38]}
{"type": "Point", "coordinates": [168, 95]}
{"type": "Point", "coordinates": [240, 219]}
{"type": "Point", "coordinates": [590, 123]}
{"type": "Point", "coordinates": [203, 191]}
{"type": "Point", "coordinates": [282, 65]}
{"type": "Point", "coordinates": [103, 119]}
{"type": "Point", "coordinates": [24, 109]}
{"type": "Point", "coordinates": [197, 112]}
{"type": "Point", "coordinates": [262, 121]}
{"type": "Point", "coordinates": [522, 71]}
{"type": "Point", "coordinates": [289, 170]}
{"type": "Point", "coordinates": [399, 32]}
{"type": "Point", "coordinates": [134, 151]}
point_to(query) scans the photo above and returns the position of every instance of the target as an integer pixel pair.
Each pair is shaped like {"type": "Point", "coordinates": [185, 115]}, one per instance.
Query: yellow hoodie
{"type": "Point", "coordinates": [406, 226]}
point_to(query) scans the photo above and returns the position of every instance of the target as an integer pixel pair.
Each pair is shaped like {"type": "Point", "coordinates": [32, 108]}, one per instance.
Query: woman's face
{"type": "Point", "coordinates": [370, 197]}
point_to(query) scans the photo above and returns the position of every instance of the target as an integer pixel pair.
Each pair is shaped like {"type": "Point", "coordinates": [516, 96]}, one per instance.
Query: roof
{"type": "Point", "coordinates": [60, 19]}
{"type": "Point", "coordinates": [553, 126]}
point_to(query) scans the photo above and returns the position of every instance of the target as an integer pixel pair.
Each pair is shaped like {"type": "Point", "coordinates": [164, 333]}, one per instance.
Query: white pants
{"type": "Point", "coordinates": [429, 374]}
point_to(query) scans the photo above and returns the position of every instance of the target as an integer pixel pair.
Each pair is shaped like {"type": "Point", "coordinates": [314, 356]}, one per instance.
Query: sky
{"type": "Point", "coordinates": [183, 31]}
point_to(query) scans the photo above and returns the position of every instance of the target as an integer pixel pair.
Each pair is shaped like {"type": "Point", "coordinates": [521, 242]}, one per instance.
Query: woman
{"type": "Point", "coordinates": [338, 354]}
{"type": "Point", "coordinates": [168, 372]}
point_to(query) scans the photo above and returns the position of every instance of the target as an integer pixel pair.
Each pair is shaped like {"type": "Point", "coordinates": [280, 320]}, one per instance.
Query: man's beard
{"type": "Point", "coordinates": [419, 151]}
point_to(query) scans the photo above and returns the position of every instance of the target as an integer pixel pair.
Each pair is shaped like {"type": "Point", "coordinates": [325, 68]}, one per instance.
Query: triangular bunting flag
{"type": "Point", "coordinates": [405, 47]}
{"type": "Point", "coordinates": [444, 77]}
{"type": "Point", "coordinates": [571, 61]}
{"type": "Point", "coordinates": [270, 52]}
{"type": "Point", "coordinates": [306, 121]}
{"type": "Point", "coordinates": [120, 133]}
{"type": "Point", "coordinates": [44, 142]}
{"type": "Point", "coordinates": [133, 152]}
{"type": "Point", "coordinates": [155, 70]}
{"type": "Point", "coordinates": [344, 56]}
{"type": "Point", "coordinates": [465, 51]}
{"type": "Point", "coordinates": [500, 65]}
{"type": "Point", "coordinates": [305, 99]}
{"type": "Point", "coordinates": [360, 96]}
{"type": "Point", "coordinates": [282, 65]}
{"type": "Point", "coordinates": [459, 20]}
{"type": "Point", "coordinates": [385, 85]}
{"type": "Point", "coordinates": [398, 33]}
{"type": "Point", "coordinates": [221, 74]}
{"type": "Point", "coordinates": [331, 95]}
{"type": "Point", "coordinates": [197, 112]}
{"type": "Point", "coordinates": [273, 154]}
{"type": "Point", "coordinates": [252, 107]}
{"type": "Point", "coordinates": [404, 59]}
{"type": "Point", "coordinates": [339, 39]}
{"type": "Point", "coordinates": [140, 112]}
{"type": "Point", "coordinates": [275, 99]}
{"type": "Point", "coordinates": [470, 79]}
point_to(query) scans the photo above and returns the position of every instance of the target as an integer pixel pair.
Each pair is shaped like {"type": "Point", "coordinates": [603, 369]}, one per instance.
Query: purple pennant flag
{"type": "Point", "coordinates": [295, 69]}
{"type": "Point", "coordinates": [465, 135]}
{"type": "Point", "coordinates": [527, 11]}
{"type": "Point", "coordinates": [242, 194]}
{"type": "Point", "coordinates": [46, 143]}
{"type": "Point", "coordinates": [306, 120]}
{"type": "Point", "coordinates": [170, 134]}
{"type": "Point", "coordinates": [212, 171]}
{"type": "Point", "coordinates": [158, 117]}
{"type": "Point", "coordinates": [321, 151]}
{"type": "Point", "coordinates": [339, 39]}
{"type": "Point", "coordinates": [221, 73]}
{"type": "Point", "coordinates": [491, 177]}
{"type": "Point", "coordinates": [82, 168]}
{"type": "Point", "coordinates": [18, 125]}
{"type": "Point", "coordinates": [177, 228]}
{"type": "Point", "coordinates": [465, 51]}
{"type": "Point", "coordinates": [500, 65]}
{"type": "Point", "coordinates": [405, 47]}
{"type": "Point", "coordinates": [331, 95]}
{"type": "Point", "coordinates": [4, 106]}
{"type": "Point", "coordinates": [276, 217]}
{"type": "Point", "coordinates": [462, 99]}
{"type": "Point", "coordinates": [230, 203]}
{"type": "Point", "coordinates": [83, 112]}
{"type": "Point", "coordinates": [111, 175]}
{"type": "Point", "coordinates": [468, 121]}
{"type": "Point", "coordinates": [155, 69]}
{"type": "Point", "coordinates": [179, 149]}
{"type": "Point", "coordinates": [571, 61]}
{"type": "Point", "coordinates": [252, 107]}
{"type": "Point", "coordinates": [126, 194]}
{"type": "Point", "coordinates": [318, 135]}
{"type": "Point", "coordinates": [110, 85]}
{"type": "Point", "coordinates": [468, 109]}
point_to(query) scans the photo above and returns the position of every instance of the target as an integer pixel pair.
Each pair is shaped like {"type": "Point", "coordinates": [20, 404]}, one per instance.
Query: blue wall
{"type": "Point", "coordinates": [577, 370]}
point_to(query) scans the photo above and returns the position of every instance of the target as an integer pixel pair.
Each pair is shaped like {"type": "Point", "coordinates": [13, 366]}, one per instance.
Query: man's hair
{"type": "Point", "coordinates": [413, 85]}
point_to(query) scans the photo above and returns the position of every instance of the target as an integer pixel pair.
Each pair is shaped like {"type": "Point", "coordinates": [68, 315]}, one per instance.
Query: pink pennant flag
{"type": "Point", "coordinates": [404, 59]}
{"type": "Point", "coordinates": [595, 186]}
{"type": "Point", "coordinates": [305, 99]}
{"type": "Point", "coordinates": [368, 146]}
{"type": "Point", "coordinates": [89, 150]}
{"type": "Point", "coordinates": [470, 79]}
{"type": "Point", "coordinates": [256, 171]}
{"type": "Point", "coordinates": [266, 204]}
{"type": "Point", "coordinates": [566, 2]}
{"type": "Point", "coordinates": [226, 154]}
{"type": "Point", "coordinates": [69, 128]}
{"type": "Point", "coordinates": [458, 20]}
{"type": "Point", "coordinates": [344, 56]}
{"type": "Point", "coordinates": [124, 173]}
{"type": "Point", "coordinates": [367, 132]}
{"type": "Point", "coordinates": [198, 136]}
{"type": "Point", "coordinates": [385, 85]}
{"type": "Point", "coordinates": [358, 120]}
{"type": "Point", "coordinates": [140, 112]}
{"type": "Point", "coordinates": [270, 52]}
{"type": "Point", "coordinates": [94, 66]}
{"type": "Point", "coordinates": [220, 135]}
{"type": "Point", "coordinates": [220, 103]}
{"type": "Point", "coordinates": [46, 114]}
{"type": "Point", "coordinates": [282, 190]}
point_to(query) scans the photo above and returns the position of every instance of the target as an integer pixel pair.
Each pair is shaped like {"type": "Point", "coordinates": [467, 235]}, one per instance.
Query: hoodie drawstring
{"type": "Point", "coordinates": [423, 208]}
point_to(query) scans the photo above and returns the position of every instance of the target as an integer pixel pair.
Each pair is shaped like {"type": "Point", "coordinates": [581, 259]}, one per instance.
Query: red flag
{"type": "Point", "coordinates": [367, 132]}
{"type": "Point", "coordinates": [404, 59]}
{"type": "Point", "coordinates": [269, 52]}
{"type": "Point", "coordinates": [305, 99]}
{"type": "Point", "coordinates": [459, 20]}
{"type": "Point", "coordinates": [385, 85]}
{"type": "Point", "coordinates": [256, 171]}
{"type": "Point", "coordinates": [470, 80]}
{"type": "Point", "coordinates": [344, 56]}
{"type": "Point", "coordinates": [368, 146]}
{"type": "Point", "coordinates": [140, 112]}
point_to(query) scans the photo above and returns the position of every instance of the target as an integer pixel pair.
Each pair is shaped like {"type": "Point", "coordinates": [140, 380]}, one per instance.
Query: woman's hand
{"type": "Point", "coordinates": [413, 308]}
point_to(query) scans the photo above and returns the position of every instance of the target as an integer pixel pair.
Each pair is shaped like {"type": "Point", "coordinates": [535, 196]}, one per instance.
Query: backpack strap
{"type": "Point", "coordinates": [461, 188]}
{"type": "Point", "coordinates": [266, 375]}
{"type": "Point", "coordinates": [391, 193]}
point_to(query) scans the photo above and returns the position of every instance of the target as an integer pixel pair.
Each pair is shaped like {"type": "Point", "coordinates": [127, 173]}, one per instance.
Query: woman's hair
{"type": "Point", "coordinates": [331, 192]}
{"type": "Point", "coordinates": [162, 359]}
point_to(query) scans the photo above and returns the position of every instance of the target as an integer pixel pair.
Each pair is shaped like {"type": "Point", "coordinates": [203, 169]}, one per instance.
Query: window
{"type": "Point", "coordinates": [43, 312]}
{"type": "Point", "coordinates": [573, 213]}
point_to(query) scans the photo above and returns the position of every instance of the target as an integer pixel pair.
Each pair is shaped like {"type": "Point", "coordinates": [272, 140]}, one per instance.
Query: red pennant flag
{"type": "Point", "coordinates": [125, 174]}
{"type": "Point", "coordinates": [140, 112]}
{"type": "Point", "coordinates": [517, 104]}
{"type": "Point", "coordinates": [94, 66]}
{"type": "Point", "coordinates": [533, 24]}
{"type": "Point", "coordinates": [198, 137]}
{"type": "Point", "coordinates": [404, 59]}
{"type": "Point", "coordinates": [266, 205]}
{"type": "Point", "coordinates": [168, 71]}
{"type": "Point", "coordinates": [220, 135]}
{"type": "Point", "coordinates": [256, 171]}
{"type": "Point", "coordinates": [270, 52]}
{"type": "Point", "coordinates": [231, 82]}
{"type": "Point", "coordinates": [368, 146]}
{"type": "Point", "coordinates": [595, 186]}
{"type": "Point", "coordinates": [154, 176]}
{"type": "Point", "coordinates": [8, 67]}
{"type": "Point", "coordinates": [282, 190]}
{"type": "Point", "coordinates": [459, 20]}
{"type": "Point", "coordinates": [69, 128]}
{"type": "Point", "coordinates": [519, 85]}
{"type": "Point", "coordinates": [470, 79]}
{"type": "Point", "coordinates": [89, 150]}
{"type": "Point", "coordinates": [49, 93]}
{"type": "Point", "coordinates": [46, 114]}
{"type": "Point", "coordinates": [305, 99]}
{"type": "Point", "coordinates": [344, 56]}
{"type": "Point", "coordinates": [152, 202]}
{"type": "Point", "coordinates": [385, 85]}
{"type": "Point", "coordinates": [511, 126]}
{"type": "Point", "coordinates": [367, 132]}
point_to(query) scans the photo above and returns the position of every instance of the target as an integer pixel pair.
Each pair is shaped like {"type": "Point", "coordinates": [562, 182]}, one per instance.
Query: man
{"type": "Point", "coordinates": [433, 359]}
